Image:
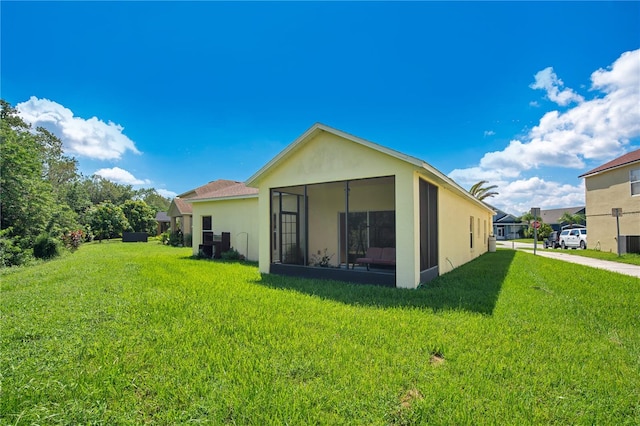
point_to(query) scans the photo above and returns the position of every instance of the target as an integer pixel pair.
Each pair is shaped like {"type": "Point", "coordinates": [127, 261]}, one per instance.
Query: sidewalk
{"type": "Point", "coordinates": [621, 268]}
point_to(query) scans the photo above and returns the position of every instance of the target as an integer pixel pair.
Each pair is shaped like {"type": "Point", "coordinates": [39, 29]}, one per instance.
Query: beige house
{"type": "Point", "coordinates": [228, 207]}
{"type": "Point", "coordinates": [180, 211]}
{"type": "Point", "coordinates": [179, 216]}
{"type": "Point", "coordinates": [330, 196]}
{"type": "Point", "coordinates": [615, 184]}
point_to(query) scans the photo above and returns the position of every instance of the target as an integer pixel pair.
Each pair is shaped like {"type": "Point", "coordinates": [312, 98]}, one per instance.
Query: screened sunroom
{"type": "Point", "coordinates": [335, 206]}
{"type": "Point", "coordinates": [332, 225]}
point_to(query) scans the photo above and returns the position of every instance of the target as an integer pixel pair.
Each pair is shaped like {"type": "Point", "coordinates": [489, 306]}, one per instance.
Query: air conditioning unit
{"type": "Point", "coordinates": [629, 244]}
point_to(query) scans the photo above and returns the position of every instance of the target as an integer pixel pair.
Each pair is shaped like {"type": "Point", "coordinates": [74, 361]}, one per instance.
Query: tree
{"type": "Point", "coordinates": [571, 219]}
{"type": "Point", "coordinates": [481, 192]}
{"type": "Point", "coordinates": [156, 201]}
{"type": "Point", "coordinates": [101, 189]}
{"type": "Point", "coordinates": [107, 220]}
{"type": "Point", "coordinates": [140, 216]}
{"type": "Point", "coordinates": [26, 199]}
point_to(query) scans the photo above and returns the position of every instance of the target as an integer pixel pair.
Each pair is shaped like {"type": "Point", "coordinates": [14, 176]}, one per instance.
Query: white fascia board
{"type": "Point", "coordinates": [232, 197]}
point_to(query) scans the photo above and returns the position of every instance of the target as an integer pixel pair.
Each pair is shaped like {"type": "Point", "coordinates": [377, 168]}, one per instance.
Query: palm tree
{"type": "Point", "coordinates": [571, 219]}
{"type": "Point", "coordinates": [482, 192]}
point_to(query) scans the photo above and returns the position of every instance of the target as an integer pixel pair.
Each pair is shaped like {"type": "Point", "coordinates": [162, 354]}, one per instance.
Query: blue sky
{"type": "Point", "coordinates": [173, 95]}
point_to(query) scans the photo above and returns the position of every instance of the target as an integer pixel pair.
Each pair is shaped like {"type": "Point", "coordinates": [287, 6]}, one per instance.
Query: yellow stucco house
{"type": "Point", "coordinates": [330, 196]}
{"type": "Point", "coordinates": [180, 210]}
{"type": "Point", "coordinates": [226, 207]}
{"type": "Point", "coordinates": [615, 184]}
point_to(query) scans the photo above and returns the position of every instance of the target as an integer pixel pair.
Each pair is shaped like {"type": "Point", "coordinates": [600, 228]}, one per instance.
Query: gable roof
{"type": "Point", "coordinates": [236, 190]}
{"type": "Point", "coordinates": [212, 186]}
{"type": "Point", "coordinates": [318, 128]}
{"type": "Point", "coordinates": [504, 217]}
{"type": "Point", "coordinates": [552, 216]}
{"type": "Point", "coordinates": [162, 217]}
{"type": "Point", "coordinates": [179, 207]}
{"type": "Point", "coordinates": [628, 158]}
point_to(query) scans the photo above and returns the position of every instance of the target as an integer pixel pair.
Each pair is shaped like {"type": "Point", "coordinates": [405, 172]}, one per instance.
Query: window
{"type": "Point", "coordinates": [207, 230]}
{"type": "Point", "coordinates": [471, 232]}
{"type": "Point", "coordinates": [486, 241]}
{"type": "Point", "coordinates": [428, 225]}
{"type": "Point", "coordinates": [634, 178]}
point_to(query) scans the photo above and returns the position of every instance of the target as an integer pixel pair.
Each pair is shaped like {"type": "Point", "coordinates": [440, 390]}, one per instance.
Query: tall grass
{"type": "Point", "coordinates": [141, 333]}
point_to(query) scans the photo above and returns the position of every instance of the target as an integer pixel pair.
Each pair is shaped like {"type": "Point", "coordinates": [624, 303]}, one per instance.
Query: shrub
{"type": "Point", "coordinates": [11, 251]}
{"type": "Point", "coordinates": [175, 239]}
{"type": "Point", "coordinates": [73, 239]}
{"type": "Point", "coordinates": [46, 247]}
{"type": "Point", "coordinates": [164, 237]}
{"type": "Point", "coordinates": [231, 254]}
{"type": "Point", "coordinates": [187, 238]}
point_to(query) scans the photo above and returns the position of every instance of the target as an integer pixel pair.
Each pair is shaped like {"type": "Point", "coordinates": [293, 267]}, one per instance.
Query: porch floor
{"type": "Point", "coordinates": [358, 275]}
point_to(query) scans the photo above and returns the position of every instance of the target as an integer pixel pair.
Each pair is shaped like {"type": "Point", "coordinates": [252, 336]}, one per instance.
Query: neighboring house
{"type": "Point", "coordinates": [332, 193]}
{"type": "Point", "coordinates": [164, 222]}
{"type": "Point", "coordinates": [228, 207]}
{"type": "Point", "coordinates": [180, 211]}
{"type": "Point", "coordinates": [552, 217]}
{"type": "Point", "coordinates": [180, 215]}
{"type": "Point", "coordinates": [615, 184]}
{"type": "Point", "coordinates": [507, 226]}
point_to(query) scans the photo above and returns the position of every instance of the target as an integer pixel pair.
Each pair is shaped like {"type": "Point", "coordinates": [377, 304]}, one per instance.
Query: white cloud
{"type": "Point", "coordinates": [166, 193]}
{"type": "Point", "coordinates": [91, 138]}
{"type": "Point", "coordinates": [600, 129]}
{"type": "Point", "coordinates": [472, 175]}
{"type": "Point", "coordinates": [520, 195]}
{"type": "Point", "coordinates": [548, 80]}
{"type": "Point", "coordinates": [118, 175]}
{"type": "Point", "coordinates": [489, 133]}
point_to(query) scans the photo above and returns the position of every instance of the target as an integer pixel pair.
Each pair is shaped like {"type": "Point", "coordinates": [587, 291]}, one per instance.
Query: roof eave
{"type": "Point", "coordinates": [230, 197]}
{"type": "Point", "coordinates": [608, 169]}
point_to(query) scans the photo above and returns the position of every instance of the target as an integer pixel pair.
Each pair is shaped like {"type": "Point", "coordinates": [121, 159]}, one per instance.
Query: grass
{"type": "Point", "coordinates": [630, 258]}
{"type": "Point", "coordinates": [523, 240]}
{"type": "Point", "coordinates": [141, 333]}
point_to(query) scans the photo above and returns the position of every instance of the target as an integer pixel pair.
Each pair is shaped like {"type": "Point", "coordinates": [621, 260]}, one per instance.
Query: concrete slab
{"type": "Point", "coordinates": [621, 268]}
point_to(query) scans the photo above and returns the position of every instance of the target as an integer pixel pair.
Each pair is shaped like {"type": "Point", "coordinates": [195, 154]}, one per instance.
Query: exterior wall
{"type": "Point", "coordinates": [237, 216]}
{"type": "Point", "coordinates": [454, 216]}
{"type": "Point", "coordinates": [605, 191]}
{"type": "Point", "coordinates": [510, 231]}
{"type": "Point", "coordinates": [330, 158]}
{"type": "Point", "coordinates": [326, 158]}
{"type": "Point", "coordinates": [187, 224]}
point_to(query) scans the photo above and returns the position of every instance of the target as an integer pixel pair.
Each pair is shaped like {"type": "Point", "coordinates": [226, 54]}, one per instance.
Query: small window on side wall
{"type": "Point", "coordinates": [207, 230]}
{"type": "Point", "coordinates": [471, 232]}
{"type": "Point", "coordinates": [634, 178]}
{"type": "Point", "coordinates": [206, 223]}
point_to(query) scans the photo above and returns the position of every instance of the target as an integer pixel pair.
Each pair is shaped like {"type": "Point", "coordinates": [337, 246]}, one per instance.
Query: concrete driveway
{"type": "Point", "coordinates": [621, 268]}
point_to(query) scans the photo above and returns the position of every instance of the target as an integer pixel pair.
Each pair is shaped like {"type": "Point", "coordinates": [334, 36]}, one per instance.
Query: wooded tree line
{"type": "Point", "coordinates": [43, 197]}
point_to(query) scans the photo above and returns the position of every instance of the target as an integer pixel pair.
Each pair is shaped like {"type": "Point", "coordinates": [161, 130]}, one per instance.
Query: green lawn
{"type": "Point", "coordinates": [630, 258]}
{"type": "Point", "coordinates": [141, 333]}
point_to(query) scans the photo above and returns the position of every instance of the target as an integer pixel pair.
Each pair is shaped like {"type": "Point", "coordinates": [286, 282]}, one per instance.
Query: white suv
{"type": "Point", "coordinates": [576, 237]}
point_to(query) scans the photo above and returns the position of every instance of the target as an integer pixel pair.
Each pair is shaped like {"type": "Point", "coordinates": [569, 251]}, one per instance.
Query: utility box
{"type": "Point", "coordinates": [492, 243]}
{"type": "Point", "coordinates": [134, 237]}
{"type": "Point", "coordinates": [629, 244]}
